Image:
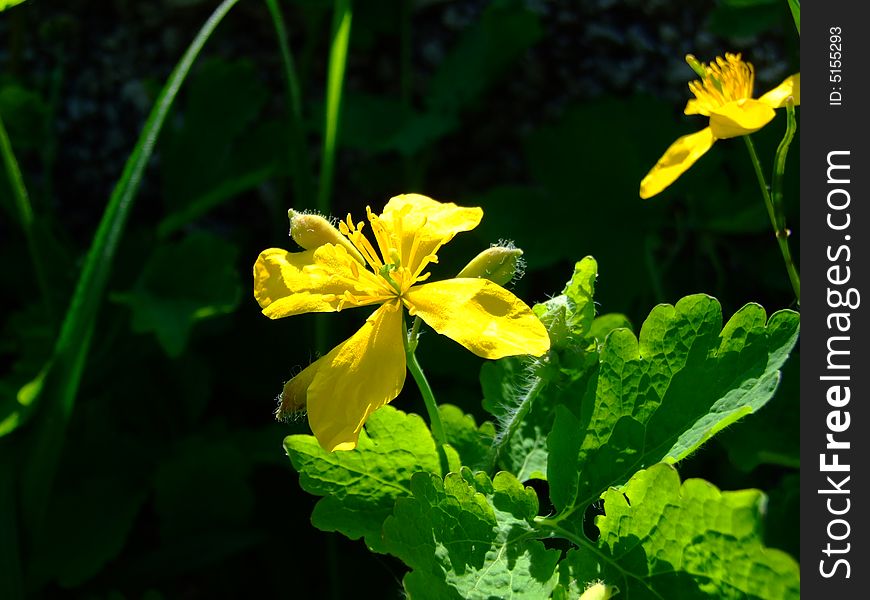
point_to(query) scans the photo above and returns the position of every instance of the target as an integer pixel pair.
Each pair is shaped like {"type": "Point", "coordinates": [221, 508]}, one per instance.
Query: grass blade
{"type": "Point", "coordinates": [795, 7]}
{"type": "Point", "coordinates": [341, 23]}
{"type": "Point", "coordinates": [58, 383]}
{"type": "Point", "coordinates": [300, 166]}
{"type": "Point", "coordinates": [25, 212]}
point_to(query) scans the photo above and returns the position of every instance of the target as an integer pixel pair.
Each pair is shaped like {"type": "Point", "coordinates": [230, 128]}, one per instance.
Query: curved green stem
{"type": "Point", "coordinates": [776, 220]}
{"type": "Point", "coordinates": [410, 340]}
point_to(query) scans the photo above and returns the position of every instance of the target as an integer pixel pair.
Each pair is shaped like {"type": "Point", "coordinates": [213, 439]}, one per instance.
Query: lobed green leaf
{"type": "Point", "coordinates": [661, 539]}
{"type": "Point", "coordinates": [360, 487]}
{"type": "Point", "coordinates": [659, 397]}
{"type": "Point", "coordinates": [467, 536]}
{"type": "Point", "coordinates": [472, 443]}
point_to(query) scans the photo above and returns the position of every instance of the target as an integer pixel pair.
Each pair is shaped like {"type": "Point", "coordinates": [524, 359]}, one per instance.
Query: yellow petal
{"type": "Point", "coordinates": [776, 97]}
{"type": "Point", "coordinates": [681, 155]}
{"type": "Point", "coordinates": [292, 283]}
{"type": "Point", "coordinates": [295, 393]}
{"type": "Point", "coordinates": [433, 223]}
{"type": "Point", "coordinates": [693, 107]}
{"type": "Point", "coordinates": [740, 118]}
{"type": "Point", "coordinates": [482, 316]}
{"type": "Point", "coordinates": [356, 378]}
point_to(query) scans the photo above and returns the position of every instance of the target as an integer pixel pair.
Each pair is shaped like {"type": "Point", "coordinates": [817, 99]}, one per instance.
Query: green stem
{"type": "Point", "coordinates": [781, 233]}
{"type": "Point", "coordinates": [582, 542]}
{"type": "Point", "coordinates": [414, 337]}
{"type": "Point", "coordinates": [779, 165]}
{"type": "Point", "coordinates": [25, 214]}
{"type": "Point", "coordinates": [516, 419]}
{"type": "Point", "coordinates": [422, 383]}
{"type": "Point", "coordinates": [341, 23]}
{"type": "Point", "coordinates": [299, 165]}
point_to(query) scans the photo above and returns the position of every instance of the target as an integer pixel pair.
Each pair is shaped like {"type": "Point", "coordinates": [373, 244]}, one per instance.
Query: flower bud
{"type": "Point", "coordinates": [499, 264]}
{"type": "Point", "coordinates": [599, 591]}
{"type": "Point", "coordinates": [313, 231]}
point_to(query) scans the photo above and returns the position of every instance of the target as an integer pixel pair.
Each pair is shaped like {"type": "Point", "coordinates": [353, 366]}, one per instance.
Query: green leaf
{"type": "Point", "coordinates": [660, 539]}
{"type": "Point", "coordinates": [56, 386]}
{"type": "Point", "coordinates": [603, 325]}
{"type": "Point", "coordinates": [509, 386]}
{"type": "Point", "coordinates": [4, 4]}
{"type": "Point", "coordinates": [569, 316]}
{"type": "Point", "coordinates": [512, 386]}
{"type": "Point", "coordinates": [469, 537]}
{"type": "Point", "coordinates": [483, 54]}
{"type": "Point", "coordinates": [473, 444]}
{"type": "Point", "coordinates": [360, 487]}
{"type": "Point", "coordinates": [662, 396]}
{"type": "Point", "coordinates": [771, 436]}
{"type": "Point", "coordinates": [205, 159]}
{"type": "Point", "coordinates": [795, 7]}
{"type": "Point", "coordinates": [181, 283]}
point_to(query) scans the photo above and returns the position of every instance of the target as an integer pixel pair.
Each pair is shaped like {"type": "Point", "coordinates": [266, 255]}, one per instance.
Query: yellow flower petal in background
{"type": "Point", "coordinates": [292, 283]}
{"type": "Point", "coordinates": [681, 155]}
{"type": "Point", "coordinates": [723, 93]}
{"type": "Point", "coordinates": [776, 97]}
{"type": "Point", "coordinates": [482, 316]}
{"type": "Point", "coordinates": [356, 378]}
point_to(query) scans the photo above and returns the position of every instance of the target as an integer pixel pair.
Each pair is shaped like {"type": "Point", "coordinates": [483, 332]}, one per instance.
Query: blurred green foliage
{"type": "Point", "coordinates": [172, 480]}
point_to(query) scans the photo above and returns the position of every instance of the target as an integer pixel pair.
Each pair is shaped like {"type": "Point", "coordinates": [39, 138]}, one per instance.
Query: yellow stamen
{"type": "Point", "coordinates": [725, 80]}
{"type": "Point", "coordinates": [361, 243]}
{"type": "Point", "coordinates": [380, 233]}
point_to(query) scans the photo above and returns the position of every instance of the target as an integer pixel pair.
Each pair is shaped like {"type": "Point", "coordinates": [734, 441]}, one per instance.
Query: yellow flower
{"type": "Point", "coordinates": [366, 371]}
{"type": "Point", "coordinates": [725, 95]}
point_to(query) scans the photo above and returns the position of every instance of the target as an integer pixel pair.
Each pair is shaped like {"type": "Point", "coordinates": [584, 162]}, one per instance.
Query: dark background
{"type": "Point", "coordinates": [173, 481]}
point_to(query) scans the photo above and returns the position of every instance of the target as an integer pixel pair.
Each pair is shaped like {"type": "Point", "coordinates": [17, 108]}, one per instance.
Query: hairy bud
{"type": "Point", "coordinates": [499, 264]}
{"type": "Point", "coordinates": [312, 231]}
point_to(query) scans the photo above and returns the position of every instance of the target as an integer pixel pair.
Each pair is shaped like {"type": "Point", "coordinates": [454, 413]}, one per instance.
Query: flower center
{"type": "Point", "coordinates": [397, 269]}
{"type": "Point", "coordinates": [725, 80]}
